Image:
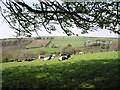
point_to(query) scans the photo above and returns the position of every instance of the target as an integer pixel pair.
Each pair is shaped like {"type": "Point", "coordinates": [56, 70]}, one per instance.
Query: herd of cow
{"type": "Point", "coordinates": [17, 60]}
{"type": "Point", "coordinates": [64, 56]}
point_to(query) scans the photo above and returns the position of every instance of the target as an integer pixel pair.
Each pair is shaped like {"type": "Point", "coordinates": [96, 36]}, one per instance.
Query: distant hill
{"type": "Point", "coordinates": [27, 47]}
{"type": "Point", "coordinates": [56, 41]}
{"type": "Point", "coordinates": [76, 41]}
{"type": "Point", "coordinates": [15, 42]}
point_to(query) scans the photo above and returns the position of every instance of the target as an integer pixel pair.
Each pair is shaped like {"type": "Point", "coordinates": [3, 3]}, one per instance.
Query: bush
{"type": "Point", "coordinates": [57, 53]}
{"type": "Point", "coordinates": [69, 45]}
{"type": "Point", "coordinates": [54, 46]}
{"type": "Point", "coordinates": [5, 59]}
{"type": "Point", "coordinates": [105, 47]}
{"type": "Point", "coordinates": [69, 50]}
{"type": "Point", "coordinates": [42, 52]}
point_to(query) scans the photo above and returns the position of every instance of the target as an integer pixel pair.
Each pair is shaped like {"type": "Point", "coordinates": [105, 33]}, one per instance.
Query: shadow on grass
{"type": "Point", "coordinates": [80, 74]}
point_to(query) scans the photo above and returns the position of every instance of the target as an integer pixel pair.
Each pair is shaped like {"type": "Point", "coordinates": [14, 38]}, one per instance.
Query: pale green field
{"type": "Point", "coordinates": [75, 41]}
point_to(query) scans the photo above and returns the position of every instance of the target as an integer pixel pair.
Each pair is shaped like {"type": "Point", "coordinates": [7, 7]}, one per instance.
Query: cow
{"type": "Point", "coordinates": [11, 60]}
{"type": "Point", "coordinates": [81, 53]}
{"type": "Point", "coordinates": [17, 60]}
{"type": "Point", "coordinates": [30, 59]}
{"type": "Point", "coordinates": [40, 57]}
{"type": "Point", "coordinates": [64, 57]}
{"type": "Point", "coordinates": [53, 56]}
{"type": "Point", "coordinates": [63, 54]}
{"type": "Point", "coordinates": [48, 58]}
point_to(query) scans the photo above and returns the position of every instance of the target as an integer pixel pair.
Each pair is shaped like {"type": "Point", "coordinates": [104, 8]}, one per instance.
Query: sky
{"type": "Point", "coordinates": [7, 32]}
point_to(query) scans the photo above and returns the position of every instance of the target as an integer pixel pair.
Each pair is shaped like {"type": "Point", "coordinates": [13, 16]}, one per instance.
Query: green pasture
{"type": "Point", "coordinates": [75, 41]}
{"type": "Point", "coordinates": [94, 70]}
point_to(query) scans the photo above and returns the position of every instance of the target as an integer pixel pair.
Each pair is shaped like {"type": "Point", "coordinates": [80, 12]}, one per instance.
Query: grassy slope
{"type": "Point", "coordinates": [75, 41]}
{"type": "Point", "coordinates": [98, 70]}
{"type": "Point", "coordinates": [37, 43]}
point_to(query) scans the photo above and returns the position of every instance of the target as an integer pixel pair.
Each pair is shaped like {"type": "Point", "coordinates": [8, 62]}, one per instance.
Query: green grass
{"type": "Point", "coordinates": [35, 50]}
{"type": "Point", "coordinates": [64, 41]}
{"type": "Point", "coordinates": [75, 41]}
{"type": "Point", "coordinates": [96, 70]}
{"type": "Point", "coordinates": [50, 50]}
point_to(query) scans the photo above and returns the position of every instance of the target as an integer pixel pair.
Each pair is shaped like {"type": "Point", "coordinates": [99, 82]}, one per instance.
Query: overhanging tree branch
{"type": "Point", "coordinates": [84, 15]}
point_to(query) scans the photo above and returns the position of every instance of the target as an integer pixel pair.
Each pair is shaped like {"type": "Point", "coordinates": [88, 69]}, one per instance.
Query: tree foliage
{"type": "Point", "coordinates": [88, 16]}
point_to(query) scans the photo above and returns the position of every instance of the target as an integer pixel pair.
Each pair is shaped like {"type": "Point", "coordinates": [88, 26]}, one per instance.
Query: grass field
{"type": "Point", "coordinates": [95, 70]}
{"type": "Point", "coordinates": [75, 41]}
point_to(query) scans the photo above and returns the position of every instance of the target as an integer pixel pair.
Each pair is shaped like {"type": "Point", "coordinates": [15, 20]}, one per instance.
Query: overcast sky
{"type": "Point", "coordinates": [7, 32]}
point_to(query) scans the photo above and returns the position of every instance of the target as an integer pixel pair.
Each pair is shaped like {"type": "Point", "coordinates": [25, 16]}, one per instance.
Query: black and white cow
{"type": "Point", "coordinates": [48, 58]}
{"type": "Point", "coordinates": [30, 59]}
{"type": "Point", "coordinates": [17, 60]}
{"type": "Point", "coordinates": [53, 56]}
{"type": "Point", "coordinates": [11, 60]}
{"type": "Point", "coordinates": [81, 53]}
{"type": "Point", "coordinates": [40, 57]}
{"type": "Point", "coordinates": [63, 54]}
{"type": "Point", "coordinates": [64, 57]}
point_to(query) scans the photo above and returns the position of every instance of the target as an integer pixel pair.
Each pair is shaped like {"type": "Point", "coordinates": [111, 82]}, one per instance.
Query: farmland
{"type": "Point", "coordinates": [94, 70]}
{"type": "Point", "coordinates": [97, 68]}
{"type": "Point", "coordinates": [75, 41]}
{"type": "Point", "coordinates": [19, 48]}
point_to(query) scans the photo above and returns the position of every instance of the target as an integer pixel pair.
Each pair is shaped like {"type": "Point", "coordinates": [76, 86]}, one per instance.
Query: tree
{"type": "Point", "coordinates": [88, 16]}
{"type": "Point", "coordinates": [5, 59]}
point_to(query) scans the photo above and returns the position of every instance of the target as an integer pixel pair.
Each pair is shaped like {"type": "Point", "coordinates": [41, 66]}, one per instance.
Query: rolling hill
{"type": "Point", "coordinates": [47, 46]}
{"type": "Point", "coordinates": [76, 41]}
